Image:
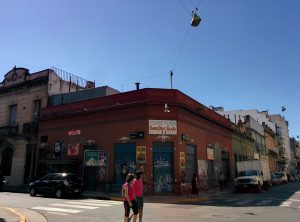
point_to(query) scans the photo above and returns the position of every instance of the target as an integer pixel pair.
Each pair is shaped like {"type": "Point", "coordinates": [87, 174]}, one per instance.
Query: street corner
{"type": "Point", "coordinates": [11, 214]}
{"type": "Point", "coordinates": [32, 215]}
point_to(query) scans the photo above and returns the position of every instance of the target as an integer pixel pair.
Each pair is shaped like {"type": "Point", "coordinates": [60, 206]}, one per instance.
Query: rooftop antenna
{"type": "Point", "coordinates": [171, 78]}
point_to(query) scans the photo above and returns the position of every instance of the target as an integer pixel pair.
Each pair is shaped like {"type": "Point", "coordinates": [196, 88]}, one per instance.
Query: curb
{"type": "Point", "coordinates": [22, 217]}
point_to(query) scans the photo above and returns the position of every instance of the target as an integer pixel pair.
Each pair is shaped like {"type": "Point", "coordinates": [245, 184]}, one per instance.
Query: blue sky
{"type": "Point", "coordinates": [244, 54]}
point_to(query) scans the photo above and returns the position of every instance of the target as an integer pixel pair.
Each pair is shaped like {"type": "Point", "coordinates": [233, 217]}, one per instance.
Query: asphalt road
{"type": "Point", "coordinates": [281, 203]}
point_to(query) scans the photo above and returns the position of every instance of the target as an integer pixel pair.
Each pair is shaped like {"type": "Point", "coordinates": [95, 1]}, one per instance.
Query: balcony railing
{"type": "Point", "coordinates": [30, 129]}
{"type": "Point", "coordinates": [9, 130]}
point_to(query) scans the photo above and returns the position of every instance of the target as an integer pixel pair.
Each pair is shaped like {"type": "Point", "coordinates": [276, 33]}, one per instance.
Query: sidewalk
{"type": "Point", "coordinates": [163, 198]}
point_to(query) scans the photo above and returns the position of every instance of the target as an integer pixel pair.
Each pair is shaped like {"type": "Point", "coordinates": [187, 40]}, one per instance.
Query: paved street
{"type": "Point", "coordinates": [281, 203]}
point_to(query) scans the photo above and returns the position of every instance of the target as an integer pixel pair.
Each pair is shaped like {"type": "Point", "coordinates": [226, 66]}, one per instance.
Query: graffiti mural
{"type": "Point", "coordinates": [124, 161]}
{"type": "Point", "coordinates": [122, 168]}
{"type": "Point", "coordinates": [162, 175]}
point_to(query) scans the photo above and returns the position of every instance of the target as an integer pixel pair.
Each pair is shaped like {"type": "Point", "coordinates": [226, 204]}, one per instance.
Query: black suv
{"type": "Point", "coordinates": [58, 184]}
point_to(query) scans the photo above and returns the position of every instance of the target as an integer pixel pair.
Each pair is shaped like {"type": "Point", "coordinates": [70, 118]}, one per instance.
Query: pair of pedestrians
{"type": "Point", "coordinates": [132, 192]}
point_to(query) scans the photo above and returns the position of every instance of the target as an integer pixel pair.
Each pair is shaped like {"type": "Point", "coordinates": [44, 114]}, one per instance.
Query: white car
{"type": "Point", "coordinates": [282, 177]}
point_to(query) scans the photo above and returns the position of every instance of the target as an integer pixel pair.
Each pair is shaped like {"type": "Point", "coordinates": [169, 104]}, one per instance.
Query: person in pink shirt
{"type": "Point", "coordinates": [129, 198]}
{"type": "Point", "coordinates": [138, 184]}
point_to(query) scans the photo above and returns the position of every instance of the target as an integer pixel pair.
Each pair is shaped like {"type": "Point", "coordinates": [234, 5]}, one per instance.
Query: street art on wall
{"type": "Point", "coordinates": [123, 167]}
{"type": "Point", "coordinates": [73, 149]}
{"type": "Point", "coordinates": [202, 167]}
{"type": "Point", "coordinates": [162, 175]}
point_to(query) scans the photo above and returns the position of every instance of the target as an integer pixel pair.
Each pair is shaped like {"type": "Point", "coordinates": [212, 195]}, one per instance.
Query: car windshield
{"type": "Point", "coordinates": [279, 174]}
{"type": "Point", "coordinates": [248, 173]}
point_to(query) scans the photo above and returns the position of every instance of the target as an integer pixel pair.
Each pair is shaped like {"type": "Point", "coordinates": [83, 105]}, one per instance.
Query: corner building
{"type": "Point", "coordinates": [160, 131]}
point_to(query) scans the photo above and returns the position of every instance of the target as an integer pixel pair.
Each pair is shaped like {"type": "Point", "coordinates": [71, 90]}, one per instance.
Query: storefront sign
{"type": "Point", "coordinates": [182, 160]}
{"type": "Point", "coordinates": [74, 132]}
{"type": "Point", "coordinates": [137, 135]}
{"type": "Point", "coordinates": [158, 127]}
{"type": "Point", "coordinates": [210, 153]}
{"type": "Point", "coordinates": [141, 154]}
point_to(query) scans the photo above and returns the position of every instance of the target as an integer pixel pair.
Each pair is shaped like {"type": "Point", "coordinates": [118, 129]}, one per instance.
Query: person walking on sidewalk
{"type": "Point", "coordinates": [195, 185]}
{"type": "Point", "coordinates": [138, 183]}
{"type": "Point", "coordinates": [183, 185]}
{"type": "Point", "coordinates": [128, 193]}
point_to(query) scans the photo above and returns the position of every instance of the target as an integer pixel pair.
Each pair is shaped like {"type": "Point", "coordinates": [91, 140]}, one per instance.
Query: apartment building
{"type": "Point", "coordinates": [22, 95]}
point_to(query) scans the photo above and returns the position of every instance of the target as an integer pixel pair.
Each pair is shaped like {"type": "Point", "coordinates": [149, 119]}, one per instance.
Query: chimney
{"type": "Point", "coordinates": [137, 85]}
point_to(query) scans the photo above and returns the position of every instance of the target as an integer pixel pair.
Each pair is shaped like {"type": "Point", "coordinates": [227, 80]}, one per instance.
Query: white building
{"type": "Point", "coordinates": [283, 131]}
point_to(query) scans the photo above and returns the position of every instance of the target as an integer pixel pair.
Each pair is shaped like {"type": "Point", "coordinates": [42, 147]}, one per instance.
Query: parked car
{"type": "Point", "coordinates": [282, 177]}
{"type": "Point", "coordinates": [274, 179]}
{"type": "Point", "coordinates": [58, 184]}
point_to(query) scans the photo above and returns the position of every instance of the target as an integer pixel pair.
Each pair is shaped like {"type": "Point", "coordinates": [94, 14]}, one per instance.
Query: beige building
{"type": "Point", "coordinates": [242, 145]}
{"type": "Point", "coordinates": [22, 95]}
{"type": "Point", "coordinates": [272, 148]}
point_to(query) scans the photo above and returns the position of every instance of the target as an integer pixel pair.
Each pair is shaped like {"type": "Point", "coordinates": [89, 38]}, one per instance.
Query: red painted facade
{"type": "Point", "coordinates": [103, 122]}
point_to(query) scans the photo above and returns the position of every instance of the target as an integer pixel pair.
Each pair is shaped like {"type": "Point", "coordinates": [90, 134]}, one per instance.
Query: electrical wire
{"type": "Point", "coordinates": [184, 6]}
{"type": "Point", "coordinates": [181, 46]}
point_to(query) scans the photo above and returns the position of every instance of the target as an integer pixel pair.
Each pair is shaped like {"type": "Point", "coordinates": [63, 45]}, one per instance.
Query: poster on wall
{"type": "Point", "coordinates": [210, 153]}
{"type": "Point", "coordinates": [141, 154]}
{"type": "Point", "coordinates": [202, 167]}
{"type": "Point", "coordinates": [73, 149]}
{"type": "Point", "coordinates": [182, 160]}
{"type": "Point", "coordinates": [103, 158]}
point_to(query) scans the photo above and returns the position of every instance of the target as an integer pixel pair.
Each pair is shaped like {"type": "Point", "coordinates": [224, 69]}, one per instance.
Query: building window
{"type": "Point", "coordinates": [12, 115]}
{"type": "Point", "coordinates": [36, 109]}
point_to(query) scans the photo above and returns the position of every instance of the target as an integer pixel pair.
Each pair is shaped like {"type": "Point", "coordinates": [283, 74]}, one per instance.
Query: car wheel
{"type": "Point", "coordinates": [58, 193]}
{"type": "Point", "coordinates": [32, 192]}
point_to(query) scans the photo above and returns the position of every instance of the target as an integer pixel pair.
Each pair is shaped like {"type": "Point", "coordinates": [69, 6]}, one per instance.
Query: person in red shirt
{"type": "Point", "coordinates": [138, 183]}
{"type": "Point", "coordinates": [129, 198]}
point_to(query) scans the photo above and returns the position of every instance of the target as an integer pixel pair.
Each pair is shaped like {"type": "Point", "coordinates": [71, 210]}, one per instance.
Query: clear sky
{"type": "Point", "coordinates": [244, 54]}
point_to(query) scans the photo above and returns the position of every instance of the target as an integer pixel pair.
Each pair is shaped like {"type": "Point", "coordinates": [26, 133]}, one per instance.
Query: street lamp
{"type": "Point", "coordinates": [166, 109]}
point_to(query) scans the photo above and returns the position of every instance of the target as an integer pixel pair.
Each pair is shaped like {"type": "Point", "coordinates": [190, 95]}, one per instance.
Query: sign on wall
{"type": "Point", "coordinates": [96, 158]}
{"type": "Point", "coordinates": [74, 132]}
{"type": "Point", "coordinates": [141, 154]}
{"type": "Point", "coordinates": [182, 160]}
{"type": "Point", "coordinates": [91, 157]}
{"type": "Point", "coordinates": [159, 127]}
{"type": "Point", "coordinates": [210, 153]}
